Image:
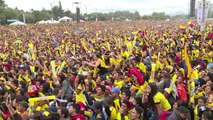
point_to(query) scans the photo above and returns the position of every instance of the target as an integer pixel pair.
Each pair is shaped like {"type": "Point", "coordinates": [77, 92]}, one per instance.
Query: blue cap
{"type": "Point", "coordinates": [115, 90]}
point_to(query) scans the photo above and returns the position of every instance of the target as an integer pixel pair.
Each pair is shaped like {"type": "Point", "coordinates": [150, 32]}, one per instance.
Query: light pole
{"type": "Point", "coordinates": [202, 28]}
{"type": "Point", "coordinates": [86, 16]}
{"type": "Point", "coordinates": [24, 18]}
{"type": "Point", "coordinates": [77, 4]}
{"type": "Point", "coordinates": [96, 19]}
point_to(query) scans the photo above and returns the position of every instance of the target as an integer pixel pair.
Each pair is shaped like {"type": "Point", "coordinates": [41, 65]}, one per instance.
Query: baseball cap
{"type": "Point", "coordinates": [2, 79]}
{"type": "Point", "coordinates": [24, 104]}
{"type": "Point", "coordinates": [115, 90]}
{"type": "Point", "coordinates": [108, 87]}
{"type": "Point", "coordinates": [133, 87]}
{"type": "Point", "coordinates": [85, 73]}
{"type": "Point", "coordinates": [96, 105]}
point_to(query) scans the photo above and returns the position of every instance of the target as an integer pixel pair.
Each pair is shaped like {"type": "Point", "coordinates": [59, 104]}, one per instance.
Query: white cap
{"type": "Point", "coordinates": [84, 73]}
{"type": "Point", "coordinates": [103, 47]}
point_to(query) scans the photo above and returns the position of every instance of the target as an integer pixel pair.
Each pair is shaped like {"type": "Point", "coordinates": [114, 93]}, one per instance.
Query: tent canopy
{"type": "Point", "coordinates": [18, 23]}
{"type": "Point", "coordinates": [51, 22]}
{"type": "Point", "coordinates": [65, 18]}
{"type": "Point", "coordinates": [48, 22]}
{"type": "Point", "coordinates": [42, 22]}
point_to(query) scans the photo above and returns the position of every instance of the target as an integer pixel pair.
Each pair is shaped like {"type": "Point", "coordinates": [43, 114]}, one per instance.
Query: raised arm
{"type": "Point", "coordinates": [159, 108]}
{"type": "Point", "coordinates": [97, 63]}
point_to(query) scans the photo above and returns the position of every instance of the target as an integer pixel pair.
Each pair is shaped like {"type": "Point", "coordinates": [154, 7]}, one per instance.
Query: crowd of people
{"type": "Point", "coordinates": [141, 70]}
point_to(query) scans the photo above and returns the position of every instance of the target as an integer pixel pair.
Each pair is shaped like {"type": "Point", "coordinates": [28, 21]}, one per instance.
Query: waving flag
{"type": "Point", "coordinates": [188, 67]}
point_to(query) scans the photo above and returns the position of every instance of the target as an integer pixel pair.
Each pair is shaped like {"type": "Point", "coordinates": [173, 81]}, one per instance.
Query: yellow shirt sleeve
{"type": "Point", "coordinates": [119, 117]}
{"type": "Point", "coordinates": [142, 67]}
{"type": "Point", "coordinates": [199, 94]}
{"type": "Point", "coordinates": [112, 61]}
{"type": "Point", "coordinates": [113, 115]}
{"type": "Point", "coordinates": [80, 97]}
{"type": "Point", "coordinates": [156, 98]}
{"type": "Point", "coordinates": [119, 83]}
{"type": "Point", "coordinates": [160, 98]}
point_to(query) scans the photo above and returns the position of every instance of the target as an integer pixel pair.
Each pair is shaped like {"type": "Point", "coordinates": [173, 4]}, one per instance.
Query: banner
{"type": "Point", "coordinates": [206, 10]}
{"type": "Point", "coordinates": [200, 12]}
{"type": "Point", "coordinates": [200, 9]}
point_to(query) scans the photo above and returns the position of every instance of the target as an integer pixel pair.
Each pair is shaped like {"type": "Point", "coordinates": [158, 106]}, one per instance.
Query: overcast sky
{"type": "Point", "coordinates": [143, 6]}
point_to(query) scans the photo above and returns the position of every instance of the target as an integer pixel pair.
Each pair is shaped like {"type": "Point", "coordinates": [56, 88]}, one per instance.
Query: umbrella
{"type": "Point", "coordinates": [18, 41]}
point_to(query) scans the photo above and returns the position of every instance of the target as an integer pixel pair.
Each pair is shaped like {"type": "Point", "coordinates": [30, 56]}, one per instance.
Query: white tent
{"type": "Point", "coordinates": [42, 22]}
{"type": "Point", "coordinates": [65, 19]}
{"type": "Point", "coordinates": [18, 23]}
{"type": "Point", "coordinates": [167, 20]}
{"type": "Point", "coordinates": [128, 20]}
{"type": "Point", "coordinates": [82, 21]}
{"type": "Point", "coordinates": [51, 21]}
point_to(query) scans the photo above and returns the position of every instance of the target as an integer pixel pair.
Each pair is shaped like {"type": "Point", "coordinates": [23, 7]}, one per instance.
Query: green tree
{"type": "Point", "coordinates": [2, 16]}
{"type": "Point", "coordinates": [58, 12]}
{"type": "Point", "coordinates": [29, 18]}
{"type": "Point", "coordinates": [11, 13]}
{"type": "Point", "coordinates": [146, 17]}
{"type": "Point", "coordinates": [41, 15]}
{"type": "Point", "coordinates": [68, 13]}
{"type": "Point", "coordinates": [160, 16]}
{"type": "Point", "coordinates": [136, 15]}
{"type": "Point", "coordinates": [180, 16]}
{"type": "Point", "coordinates": [2, 3]}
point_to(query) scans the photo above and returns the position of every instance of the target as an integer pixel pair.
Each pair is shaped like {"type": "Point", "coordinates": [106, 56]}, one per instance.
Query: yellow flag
{"type": "Point", "coordinates": [52, 63]}
{"type": "Point", "coordinates": [62, 66]}
{"type": "Point", "coordinates": [182, 27]}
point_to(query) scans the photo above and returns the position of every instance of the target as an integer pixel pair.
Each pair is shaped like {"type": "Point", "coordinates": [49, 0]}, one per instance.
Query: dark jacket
{"type": "Point", "coordinates": [175, 116]}
{"type": "Point", "coordinates": [66, 88]}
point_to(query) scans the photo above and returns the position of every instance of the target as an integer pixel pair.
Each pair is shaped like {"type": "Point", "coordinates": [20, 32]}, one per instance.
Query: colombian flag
{"type": "Point", "coordinates": [188, 67]}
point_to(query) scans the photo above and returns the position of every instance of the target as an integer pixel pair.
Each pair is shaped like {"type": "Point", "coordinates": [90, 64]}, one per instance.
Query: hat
{"type": "Point", "coordinates": [96, 105]}
{"type": "Point", "coordinates": [133, 87]}
{"type": "Point", "coordinates": [115, 90]}
{"type": "Point", "coordinates": [79, 87]}
{"type": "Point", "coordinates": [52, 109]}
{"type": "Point", "coordinates": [103, 47]}
{"type": "Point", "coordinates": [24, 104]}
{"type": "Point", "coordinates": [2, 79]}
{"type": "Point", "coordinates": [21, 66]}
{"type": "Point", "coordinates": [108, 87]}
{"type": "Point", "coordinates": [84, 73]}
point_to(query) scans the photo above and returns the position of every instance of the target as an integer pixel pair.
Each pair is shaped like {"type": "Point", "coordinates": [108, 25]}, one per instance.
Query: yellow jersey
{"type": "Point", "coordinates": [160, 98]}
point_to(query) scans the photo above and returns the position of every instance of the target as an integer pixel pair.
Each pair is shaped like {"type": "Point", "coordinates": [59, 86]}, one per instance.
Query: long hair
{"type": "Point", "coordinates": [154, 90]}
{"type": "Point", "coordinates": [81, 80]}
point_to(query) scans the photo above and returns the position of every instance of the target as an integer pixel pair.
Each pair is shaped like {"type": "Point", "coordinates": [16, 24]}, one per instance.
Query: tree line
{"type": "Point", "coordinates": [57, 12]}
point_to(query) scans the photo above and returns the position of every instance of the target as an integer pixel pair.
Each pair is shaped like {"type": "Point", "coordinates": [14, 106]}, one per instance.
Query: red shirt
{"type": "Point", "coordinates": [7, 114]}
{"type": "Point", "coordinates": [8, 66]}
{"type": "Point", "coordinates": [211, 35]}
{"type": "Point", "coordinates": [182, 94]}
{"type": "Point", "coordinates": [78, 117]}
